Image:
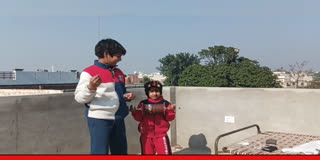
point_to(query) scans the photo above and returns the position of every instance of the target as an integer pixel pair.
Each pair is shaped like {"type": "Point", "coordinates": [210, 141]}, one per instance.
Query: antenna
{"type": "Point", "coordinates": [98, 27]}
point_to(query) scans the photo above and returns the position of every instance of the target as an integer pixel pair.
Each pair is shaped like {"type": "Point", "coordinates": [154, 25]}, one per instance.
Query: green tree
{"type": "Point", "coordinates": [219, 55]}
{"type": "Point", "coordinates": [251, 74]}
{"type": "Point", "coordinates": [224, 68]}
{"type": "Point", "coordinates": [246, 73]}
{"type": "Point", "coordinates": [222, 75]}
{"type": "Point", "coordinates": [315, 83]}
{"type": "Point", "coordinates": [196, 75]}
{"type": "Point", "coordinates": [316, 77]}
{"type": "Point", "coordinates": [173, 65]}
{"type": "Point", "coordinates": [146, 79]}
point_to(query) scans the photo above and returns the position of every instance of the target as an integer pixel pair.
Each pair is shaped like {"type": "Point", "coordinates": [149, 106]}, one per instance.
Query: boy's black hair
{"type": "Point", "coordinates": [152, 84]}
{"type": "Point", "coordinates": [109, 46]}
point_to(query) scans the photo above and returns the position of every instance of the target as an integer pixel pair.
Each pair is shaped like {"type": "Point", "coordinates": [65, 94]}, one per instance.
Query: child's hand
{"type": "Point", "coordinates": [132, 109]}
{"type": "Point", "coordinates": [172, 107]}
{"type": "Point", "coordinates": [94, 83]}
{"type": "Point", "coordinates": [129, 96]}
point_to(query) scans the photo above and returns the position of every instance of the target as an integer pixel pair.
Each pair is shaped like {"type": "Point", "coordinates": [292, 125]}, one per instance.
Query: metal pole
{"type": "Point", "coordinates": [232, 132]}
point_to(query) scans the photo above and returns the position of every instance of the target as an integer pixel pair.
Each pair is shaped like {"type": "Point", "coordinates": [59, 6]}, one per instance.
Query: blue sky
{"type": "Point", "coordinates": [62, 33]}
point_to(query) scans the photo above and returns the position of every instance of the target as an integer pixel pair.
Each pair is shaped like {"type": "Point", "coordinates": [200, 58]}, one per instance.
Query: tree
{"type": "Point", "coordinates": [244, 74]}
{"type": "Point", "coordinates": [296, 71]}
{"type": "Point", "coordinates": [173, 65]}
{"type": "Point", "coordinates": [224, 68]}
{"type": "Point", "coordinates": [315, 83]}
{"type": "Point", "coordinates": [219, 55]}
{"type": "Point", "coordinates": [196, 75]}
{"type": "Point", "coordinates": [316, 76]}
{"type": "Point", "coordinates": [251, 74]}
{"type": "Point", "coordinates": [146, 79]}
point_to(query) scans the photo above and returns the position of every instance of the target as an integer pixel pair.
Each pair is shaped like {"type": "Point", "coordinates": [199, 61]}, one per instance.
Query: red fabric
{"type": "Point", "coordinates": [152, 101]}
{"type": "Point", "coordinates": [154, 125]}
{"type": "Point", "coordinates": [156, 145]}
{"type": "Point", "coordinates": [105, 74]}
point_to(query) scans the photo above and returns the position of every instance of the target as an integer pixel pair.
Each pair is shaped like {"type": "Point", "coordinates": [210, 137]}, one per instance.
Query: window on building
{"type": "Point", "coordinates": [7, 76]}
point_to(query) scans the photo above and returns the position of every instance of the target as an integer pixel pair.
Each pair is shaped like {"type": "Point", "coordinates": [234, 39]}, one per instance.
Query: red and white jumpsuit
{"type": "Point", "coordinates": [154, 127]}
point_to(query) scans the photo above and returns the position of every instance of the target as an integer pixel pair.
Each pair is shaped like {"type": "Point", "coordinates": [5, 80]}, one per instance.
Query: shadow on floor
{"type": "Point", "coordinates": [197, 145]}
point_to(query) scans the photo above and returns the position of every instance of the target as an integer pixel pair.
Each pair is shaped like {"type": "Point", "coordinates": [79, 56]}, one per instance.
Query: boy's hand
{"type": "Point", "coordinates": [129, 96]}
{"type": "Point", "coordinates": [94, 83]}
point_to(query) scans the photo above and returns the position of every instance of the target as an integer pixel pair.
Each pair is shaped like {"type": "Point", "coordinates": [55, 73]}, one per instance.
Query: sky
{"type": "Point", "coordinates": [61, 34]}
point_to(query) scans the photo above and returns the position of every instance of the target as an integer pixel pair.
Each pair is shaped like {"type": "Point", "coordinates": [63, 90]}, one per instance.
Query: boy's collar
{"type": "Point", "coordinates": [104, 66]}
{"type": "Point", "coordinates": [155, 101]}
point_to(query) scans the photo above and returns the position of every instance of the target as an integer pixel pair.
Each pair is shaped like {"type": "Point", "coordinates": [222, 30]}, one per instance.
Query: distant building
{"type": "Point", "coordinates": [283, 78]}
{"type": "Point", "coordinates": [288, 80]}
{"type": "Point", "coordinates": [132, 79]}
{"type": "Point", "coordinates": [38, 79]}
{"type": "Point", "coordinates": [158, 77]}
{"type": "Point", "coordinates": [137, 78]}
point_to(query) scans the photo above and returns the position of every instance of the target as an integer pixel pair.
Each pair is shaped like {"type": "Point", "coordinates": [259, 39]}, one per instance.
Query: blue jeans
{"type": "Point", "coordinates": [105, 134]}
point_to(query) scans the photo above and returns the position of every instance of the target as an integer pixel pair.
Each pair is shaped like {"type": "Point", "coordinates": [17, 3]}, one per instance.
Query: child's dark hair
{"type": "Point", "coordinates": [109, 46]}
{"type": "Point", "coordinates": [152, 84]}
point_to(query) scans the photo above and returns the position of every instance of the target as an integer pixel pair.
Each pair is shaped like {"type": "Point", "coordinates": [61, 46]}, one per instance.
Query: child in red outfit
{"type": "Point", "coordinates": [154, 115]}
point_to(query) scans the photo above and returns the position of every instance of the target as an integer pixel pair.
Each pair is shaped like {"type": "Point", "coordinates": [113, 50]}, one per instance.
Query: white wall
{"type": "Point", "coordinates": [24, 92]}
{"type": "Point", "coordinates": [203, 110]}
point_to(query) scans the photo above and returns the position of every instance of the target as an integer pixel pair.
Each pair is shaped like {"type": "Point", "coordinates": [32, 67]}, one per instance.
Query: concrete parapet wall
{"type": "Point", "coordinates": [51, 124]}
{"type": "Point", "coordinates": [46, 124]}
{"type": "Point", "coordinates": [56, 124]}
{"type": "Point", "coordinates": [24, 92]}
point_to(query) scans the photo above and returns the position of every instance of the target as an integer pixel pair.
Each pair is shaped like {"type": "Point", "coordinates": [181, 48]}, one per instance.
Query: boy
{"type": "Point", "coordinates": [101, 88]}
{"type": "Point", "coordinates": [154, 115]}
